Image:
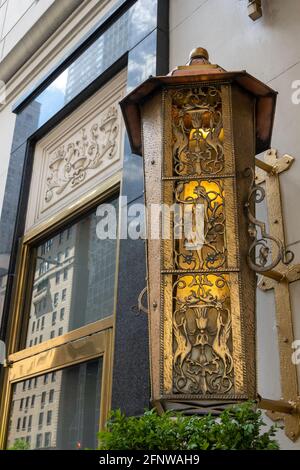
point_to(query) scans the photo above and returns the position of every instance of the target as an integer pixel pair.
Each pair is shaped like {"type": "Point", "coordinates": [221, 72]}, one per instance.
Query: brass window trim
{"type": "Point", "coordinates": [92, 340]}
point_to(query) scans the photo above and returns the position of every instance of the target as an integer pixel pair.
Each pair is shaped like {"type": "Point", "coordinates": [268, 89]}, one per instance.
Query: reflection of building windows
{"type": "Point", "coordinates": [67, 253]}
{"type": "Point", "coordinates": [53, 318]}
{"type": "Point", "coordinates": [29, 423]}
{"type": "Point", "coordinates": [48, 244]}
{"type": "Point", "coordinates": [48, 439]}
{"type": "Point", "coordinates": [57, 277]}
{"type": "Point", "coordinates": [65, 274]}
{"type": "Point", "coordinates": [53, 377]}
{"type": "Point", "coordinates": [38, 325]}
{"type": "Point", "coordinates": [52, 334]}
{"type": "Point", "coordinates": [39, 438]}
{"type": "Point", "coordinates": [27, 402]}
{"type": "Point", "coordinates": [21, 403]}
{"type": "Point", "coordinates": [30, 343]}
{"type": "Point", "coordinates": [24, 386]}
{"type": "Point", "coordinates": [58, 257]}
{"type": "Point", "coordinates": [35, 382]}
{"type": "Point", "coordinates": [42, 323]}
{"type": "Point", "coordinates": [60, 331]}
{"type": "Point", "coordinates": [33, 327]}
{"type": "Point", "coordinates": [61, 237]}
{"type": "Point", "coordinates": [45, 379]}
{"type": "Point", "coordinates": [64, 295]}
{"type": "Point", "coordinates": [29, 384]}
{"type": "Point", "coordinates": [41, 339]}
{"type": "Point", "coordinates": [69, 231]}
{"type": "Point", "coordinates": [18, 424]}
{"type": "Point", "coordinates": [24, 423]}
{"type": "Point", "coordinates": [32, 401]}
{"type": "Point", "coordinates": [35, 341]}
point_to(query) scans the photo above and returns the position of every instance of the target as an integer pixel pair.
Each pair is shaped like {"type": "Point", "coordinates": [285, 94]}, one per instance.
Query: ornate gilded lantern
{"type": "Point", "coordinates": [199, 129]}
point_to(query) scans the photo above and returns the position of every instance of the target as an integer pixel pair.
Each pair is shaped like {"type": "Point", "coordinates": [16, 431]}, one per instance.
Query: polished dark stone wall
{"type": "Point", "coordinates": [145, 53]}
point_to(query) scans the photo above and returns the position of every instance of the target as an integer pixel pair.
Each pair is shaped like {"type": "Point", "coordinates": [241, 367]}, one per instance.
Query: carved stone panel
{"type": "Point", "coordinates": [81, 152]}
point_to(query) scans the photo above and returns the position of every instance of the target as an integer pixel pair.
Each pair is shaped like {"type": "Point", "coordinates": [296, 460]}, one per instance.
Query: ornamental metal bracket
{"type": "Point", "coordinates": [288, 408]}
{"type": "Point", "coordinates": [254, 9]}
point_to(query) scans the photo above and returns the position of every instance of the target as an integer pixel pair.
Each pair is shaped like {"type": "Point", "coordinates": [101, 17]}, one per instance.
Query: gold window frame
{"type": "Point", "coordinates": [88, 342]}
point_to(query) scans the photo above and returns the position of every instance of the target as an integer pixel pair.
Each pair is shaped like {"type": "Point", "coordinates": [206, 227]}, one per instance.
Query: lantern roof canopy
{"type": "Point", "coordinates": [199, 70]}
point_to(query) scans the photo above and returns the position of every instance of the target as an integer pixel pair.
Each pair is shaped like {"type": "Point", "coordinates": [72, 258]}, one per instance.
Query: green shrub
{"type": "Point", "coordinates": [236, 428]}
{"type": "Point", "coordinates": [20, 444]}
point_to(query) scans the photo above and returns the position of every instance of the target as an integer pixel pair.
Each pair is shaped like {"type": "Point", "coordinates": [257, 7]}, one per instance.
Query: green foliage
{"type": "Point", "coordinates": [20, 444]}
{"type": "Point", "coordinates": [236, 428]}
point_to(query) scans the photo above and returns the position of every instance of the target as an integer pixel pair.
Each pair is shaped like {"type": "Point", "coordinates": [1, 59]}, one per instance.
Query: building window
{"type": "Point", "coordinates": [38, 325]}
{"type": "Point", "coordinates": [41, 338]}
{"type": "Point", "coordinates": [55, 299]}
{"type": "Point", "coordinates": [64, 295]}
{"type": "Point", "coordinates": [60, 331]}
{"type": "Point", "coordinates": [18, 424]}
{"type": "Point", "coordinates": [48, 439]}
{"type": "Point", "coordinates": [49, 417]}
{"type": "Point", "coordinates": [51, 396]}
{"type": "Point", "coordinates": [29, 384]}
{"type": "Point", "coordinates": [41, 418]}
{"type": "Point", "coordinates": [39, 440]}
{"type": "Point", "coordinates": [43, 399]}
{"type": "Point", "coordinates": [57, 277]}
{"type": "Point", "coordinates": [62, 313]}
{"type": "Point", "coordinates": [65, 274]}
{"type": "Point", "coordinates": [67, 253]}
{"type": "Point", "coordinates": [28, 440]}
{"type": "Point", "coordinates": [42, 323]}
{"type": "Point", "coordinates": [35, 382]}
{"type": "Point", "coordinates": [29, 423]}
{"type": "Point", "coordinates": [32, 401]}
{"type": "Point", "coordinates": [77, 399]}
{"type": "Point", "coordinates": [45, 379]}
{"type": "Point", "coordinates": [21, 403]}
{"type": "Point", "coordinates": [52, 334]}
{"type": "Point", "coordinates": [24, 423]}
{"type": "Point", "coordinates": [54, 318]}
{"type": "Point", "coordinates": [53, 377]}
{"type": "Point", "coordinates": [27, 402]}
{"type": "Point", "coordinates": [33, 327]}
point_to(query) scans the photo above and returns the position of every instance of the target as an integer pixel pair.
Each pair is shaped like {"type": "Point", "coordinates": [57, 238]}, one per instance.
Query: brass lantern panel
{"type": "Point", "coordinates": [203, 337]}
{"type": "Point", "coordinates": [197, 132]}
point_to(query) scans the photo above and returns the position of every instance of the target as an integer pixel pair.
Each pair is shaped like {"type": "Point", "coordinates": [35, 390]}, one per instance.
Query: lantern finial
{"type": "Point", "coordinates": [198, 54]}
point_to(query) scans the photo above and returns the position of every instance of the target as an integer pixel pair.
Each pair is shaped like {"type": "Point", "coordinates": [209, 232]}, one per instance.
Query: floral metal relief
{"type": "Point", "coordinates": [211, 253]}
{"type": "Point", "coordinates": [202, 343]}
{"type": "Point", "coordinates": [70, 163]}
{"type": "Point", "coordinates": [197, 131]}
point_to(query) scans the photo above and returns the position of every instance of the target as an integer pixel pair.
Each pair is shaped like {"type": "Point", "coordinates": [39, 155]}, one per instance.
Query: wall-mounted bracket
{"type": "Point", "coordinates": [279, 278]}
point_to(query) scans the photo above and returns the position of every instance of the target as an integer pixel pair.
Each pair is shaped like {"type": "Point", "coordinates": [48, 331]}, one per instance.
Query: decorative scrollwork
{"type": "Point", "coordinates": [203, 362]}
{"type": "Point", "coordinates": [70, 163]}
{"type": "Point", "coordinates": [264, 245]}
{"type": "Point", "coordinates": [197, 131]}
{"type": "Point", "coordinates": [212, 253]}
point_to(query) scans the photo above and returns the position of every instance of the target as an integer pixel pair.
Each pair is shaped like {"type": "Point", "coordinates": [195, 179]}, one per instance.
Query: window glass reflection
{"type": "Point", "coordinates": [74, 281]}
{"type": "Point", "coordinates": [66, 409]}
